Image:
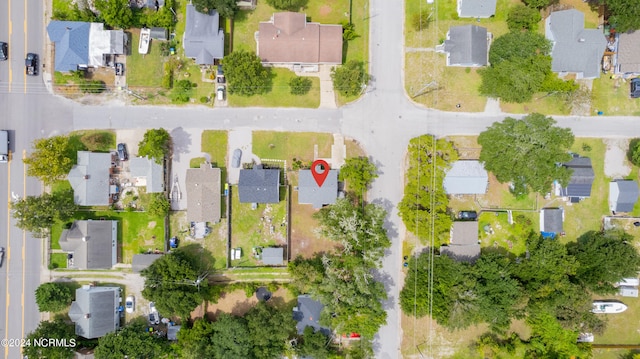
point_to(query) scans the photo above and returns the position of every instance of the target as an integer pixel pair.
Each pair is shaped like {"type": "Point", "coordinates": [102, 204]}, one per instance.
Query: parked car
{"type": "Point", "coordinates": [4, 51]}
{"type": "Point", "coordinates": [1, 256]}
{"type": "Point", "coordinates": [119, 69]}
{"type": "Point", "coordinates": [237, 156]}
{"type": "Point", "coordinates": [31, 64]}
{"type": "Point", "coordinates": [122, 152]}
{"type": "Point", "coordinates": [220, 93]}
{"type": "Point", "coordinates": [130, 304]}
{"type": "Point", "coordinates": [468, 215]}
{"type": "Point", "coordinates": [154, 317]}
{"type": "Point", "coordinates": [634, 91]}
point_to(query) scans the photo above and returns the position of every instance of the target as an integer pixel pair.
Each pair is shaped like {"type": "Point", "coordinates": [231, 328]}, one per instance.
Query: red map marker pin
{"type": "Point", "coordinates": [320, 171]}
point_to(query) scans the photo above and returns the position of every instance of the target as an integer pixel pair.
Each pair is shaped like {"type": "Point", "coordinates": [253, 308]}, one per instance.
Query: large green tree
{"type": "Point", "coordinates": [425, 202]}
{"type": "Point", "coordinates": [132, 341]}
{"type": "Point", "coordinates": [517, 80]}
{"type": "Point", "coordinates": [269, 330]}
{"type": "Point", "coordinates": [518, 45]}
{"type": "Point", "coordinates": [314, 344]}
{"type": "Point", "coordinates": [526, 152]}
{"type": "Point", "coordinates": [175, 283]}
{"type": "Point", "coordinates": [38, 213]}
{"type": "Point", "coordinates": [57, 329]}
{"type": "Point", "coordinates": [194, 342]}
{"type": "Point", "coordinates": [604, 258]}
{"type": "Point", "coordinates": [289, 5]}
{"type": "Point", "coordinates": [359, 172]}
{"type": "Point", "coordinates": [522, 17]}
{"type": "Point", "coordinates": [625, 14]}
{"type": "Point", "coordinates": [116, 13]}
{"type": "Point", "coordinates": [350, 79]}
{"type": "Point", "coordinates": [155, 144]}
{"type": "Point", "coordinates": [230, 338]}
{"type": "Point", "coordinates": [226, 8]}
{"type": "Point", "coordinates": [245, 74]}
{"type": "Point", "coordinates": [54, 296]}
{"type": "Point", "coordinates": [633, 154]}
{"type": "Point", "coordinates": [51, 159]}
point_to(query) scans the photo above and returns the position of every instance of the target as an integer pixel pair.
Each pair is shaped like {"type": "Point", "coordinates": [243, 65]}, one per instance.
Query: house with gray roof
{"type": "Point", "coordinates": [203, 194]}
{"type": "Point", "coordinates": [203, 38]}
{"type": "Point", "coordinates": [310, 193]}
{"type": "Point", "coordinates": [273, 256]}
{"type": "Point", "coordinates": [628, 54]}
{"type": "Point", "coordinates": [466, 177]}
{"type": "Point", "coordinates": [464, 245]}
{"type": "Point", "coordinates": [467, 46]}
{"type": "Point", "coordinates": [307, 314]}
{"type": "Point", "coordinates": [89, 179]}
{"type": "Point", "coordinates": [84, 44]}
{"type": "Point", "coordinates": [259, 185]}
{"type": "Point", "coordinates": [146, 172]}
{"type": "Point", "coordinates": [623, 195]}
{"type": "Point", "coordinates": [575, 50]}
{"type": "Point", "coordinates": [141, 262]}
{"type": "Point", "coordinates": [92, 244]}
{"type": "Point", "coordinates": [96, 311]}
{"type": "Point", "coordinates": [581, 180]}
{"type": "Point", "coordinates": [476, 8]}
{"type": "Point", "coordinates": [551, 220]}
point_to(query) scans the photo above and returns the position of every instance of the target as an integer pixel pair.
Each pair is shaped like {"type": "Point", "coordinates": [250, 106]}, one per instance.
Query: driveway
{"type": "Point", "coordinates": [187, 144]}
{"type": "Point", "coordinates": [240, 138]}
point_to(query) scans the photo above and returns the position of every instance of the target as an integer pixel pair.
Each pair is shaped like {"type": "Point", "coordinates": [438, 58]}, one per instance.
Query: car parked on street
{"type": "Point", "coordinates": [31, 64]}
{"type": "Point", "coordinates": [130, 304]}
{"type": "Point", "coordinates": [4, 51]}
{"type": "Point", "coordinates": [1, 256]}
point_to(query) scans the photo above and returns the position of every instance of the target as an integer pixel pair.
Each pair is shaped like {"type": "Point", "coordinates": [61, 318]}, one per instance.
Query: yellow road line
{"type": "Point", "coordinates": [24, 235]}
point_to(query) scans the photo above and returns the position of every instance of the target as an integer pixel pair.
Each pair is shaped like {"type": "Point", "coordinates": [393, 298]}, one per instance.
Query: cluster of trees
{"type": "Point", "coordinates": [358, 172]}
{"type": "Point", "coordinates": [37, 214]}
{"type": "Point", "coordinates": [117, 13]}
{"type": "Point", "coordinates": [245, 74]}
{"type": "Point", "coordinates": [56, 329]}
{"type": "Point", "coordinates": [425, 202]}
{"type": "Point", "coordinates": [520, 66]}
{"type": "Point", "coordinates": [625, 14]}
{"type": "Point", "coordinates": [52, 158]}
{"type": "Point", "coordinates": [350, 79]}
{"type": "Point", "coordinates": [551, 285]}
{"type": "Point", "coordinates": [226, 8]}
{"type": "Point", "coordinates": [343, 279]}
{"type": "Point", "coordinates": [155, 144]}
{"type": "Point", "coordinates": [527, 152]}
{"type": "Point", "coordinates": [54, 296]}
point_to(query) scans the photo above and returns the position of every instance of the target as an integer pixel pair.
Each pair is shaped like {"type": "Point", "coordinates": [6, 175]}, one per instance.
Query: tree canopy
{"type": "Point", "coordinates": [522, 17]}
{"type": "Point", "coordinates": [625, 14]}
{"type": "Point", "coordinates": [314, 344]}
{"type": "Point", "coordinates": [424, 180]}
{"type": "Point", "coordinates": [132, 341]}
{"type": "Point", "coordinates": [54, 296]}
{"type": "Point", "coordinates": [57, 329]}
{"type": "Point", "coordinates": [289, 5]}
{"type": "Point", "coordinates": [226, 8]}
{"type": "Point", "coordinates": [174, 282]}
{"type": "Point", "coordinates": [37, 214]}
{"type": "Point", "coordinates": [51, 159]}
{"type": "Point", "coordinates": [155, 144]}
{"type": "Point", "coordinates": [359, 172]}
{"type": "Point", "coordinates": [245, 74]}
{"type": "Point", "coordinates": [539, 4]}
{"type": "Point", "coordinates": [527, 152]}
{"type": "Point", "coordinates": [633, 154]}
{"type": "Point", "coordinates": [116, 13]}
{"type": "Point", "coordinates": [269, 329]}
{"type": "Point", "coordinates": [350, 79]}
{"type": "Point", "coordinates": [518, 45]}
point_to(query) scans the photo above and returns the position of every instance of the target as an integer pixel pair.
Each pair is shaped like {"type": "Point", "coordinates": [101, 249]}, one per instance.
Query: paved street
{"type": "Point", "coordinates": [383, 121]}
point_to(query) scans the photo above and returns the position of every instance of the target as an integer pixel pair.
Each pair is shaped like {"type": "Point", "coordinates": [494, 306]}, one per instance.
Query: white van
{"type": "Point", "coordinates": [220, 93]}
{"type": "Point", "coordinates": [4, 146]}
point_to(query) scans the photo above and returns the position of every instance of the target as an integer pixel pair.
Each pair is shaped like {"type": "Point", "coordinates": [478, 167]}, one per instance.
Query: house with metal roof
{"type": "Point", "coordinates": [466, 177]}
{"type": "Point", "coordinates": [623, 195]}
{"type": "Point", "coordinates": [273, 256]}
{"type": "Point", "coordinates": [203, 194]}
{"type": "Point", "coordinates": [203, 38]}
{"type": "Point", "coordinates": [159, 33]}
{"type": "Point", "coordinates": [476, 8]}
{"type": "Point", "coordinates": [146, 172]}
{"type": "Point", "coordinates": [89, 179]}
{"type": "Point", "coordinates": [466, 45]}
{"type": "Point", "coordinates": [96, 311]}
{"type": "Point", "coordinates": [581, 180]}
{"type": "Point", "coordinates": [141, 262]}
{"type": "Point", "coordinates": [575, 50]}
{"type": "Point", "coordinates": [307, 314]}
{"type": "Point", "coordinates": [310, 193]}
{"type": "Point", "coordinates": [84, 44]}
{"type": "Point", "coordinates": [463, 245]}
{"type": "Point", "coordinates": [288, 38]}
{"type": "Point", "coordinates": [259, 185]}
{"type": "Point", "coordinates": [551, 222]}
{"type": "Point", "coordinates": [92, 244]}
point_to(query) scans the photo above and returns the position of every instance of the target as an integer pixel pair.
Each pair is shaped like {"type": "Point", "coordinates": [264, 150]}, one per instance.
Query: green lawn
{"type": "Point", "coordinates": [280, 94]}
{"type": "Point", "coordinates": [289, 145]}
{"type": "Point", "coordinates": [144, 71]}
{"type": "Point", "coordinates": [611, 96]}
{"type": "Point", "coordinates": [215, 143]}
{"type": "Point", "coordinates": [86, 137]}
{"type": "Point", "coordinates": [58, 260]}
{"type": "Point", "coordinates": [215, 242]}
{"type": "Point", "coordinates": [262, 227]}
{"type": "Point", "coordinates": [137, 231]}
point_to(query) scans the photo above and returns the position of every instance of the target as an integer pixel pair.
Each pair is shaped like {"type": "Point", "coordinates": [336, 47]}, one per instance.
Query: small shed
{"type": "Point", "coordinates": [159, 33]}
{"type": "Point", "coordinates": [273, 256]}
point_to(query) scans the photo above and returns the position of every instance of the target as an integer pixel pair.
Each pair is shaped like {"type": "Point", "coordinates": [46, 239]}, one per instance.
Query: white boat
{"type": "Point", "coordinates": [145, 39]}
{"type": "Point", "coordinates": [601, 307]}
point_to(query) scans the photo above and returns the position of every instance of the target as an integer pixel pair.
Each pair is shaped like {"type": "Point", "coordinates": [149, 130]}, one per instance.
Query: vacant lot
{"type": "Point", "coordinates": [144, 71]}
{"type": "Point", "coordinates": [290, 145]}
{"type": "Point", "coordinates": [237, 303]}
{"type": "Point", "coordinates": [280, 93]}
{"type": "Point", "coordinates": [305, 241]}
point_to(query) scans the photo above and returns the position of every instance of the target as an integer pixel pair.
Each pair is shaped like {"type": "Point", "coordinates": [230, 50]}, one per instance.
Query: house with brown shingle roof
{"type": "Point", "coordinates": [288, 38]}
{"type": "Point", "coordinates": [203, 194]}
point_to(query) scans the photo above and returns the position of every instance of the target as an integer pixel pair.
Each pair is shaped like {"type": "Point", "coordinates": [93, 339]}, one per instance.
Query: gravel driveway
{"type": "Point", "coordinates": [615, 161]}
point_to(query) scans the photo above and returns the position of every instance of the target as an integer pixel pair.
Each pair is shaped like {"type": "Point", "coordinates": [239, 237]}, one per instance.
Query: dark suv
{"type": "Point", "coordinates": [31, 64]}
{"type": "Point", "coordinates": [635, 88]}
{"type": "Point", "coordinates": [4, 51]}
{"type": "Point", "coordinates": [468, 215]}
{"type": "Point", "coordinates": [122, 152]}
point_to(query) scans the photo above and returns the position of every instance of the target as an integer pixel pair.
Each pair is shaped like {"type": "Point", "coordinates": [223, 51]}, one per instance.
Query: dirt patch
{"type": "Point", "coordinates": [235, 303]}
{"type": "Point", "coordinates": [325, 10]}
{"type": "Point", "coordinates": [151, 225]}
{"type": "Point", "coordinates": [615, 161]}
{"type": "Point", "coordinates": [305, 241]}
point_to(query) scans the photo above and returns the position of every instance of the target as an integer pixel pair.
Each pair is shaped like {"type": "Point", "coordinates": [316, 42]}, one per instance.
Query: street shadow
{"type": "Point", "coordinates": [181, 142]}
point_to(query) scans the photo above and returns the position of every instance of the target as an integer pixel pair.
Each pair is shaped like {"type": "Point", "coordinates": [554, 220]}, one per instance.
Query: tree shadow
{"type": "Point", "coordinates": [181, 141]}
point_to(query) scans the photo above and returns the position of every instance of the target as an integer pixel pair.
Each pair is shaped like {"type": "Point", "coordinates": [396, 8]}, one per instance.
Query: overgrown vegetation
{"type": "Point", "coordinates": [115, 13]}
{"type": "Point", "coordinates": [155, 144]}
{"type": "Point", "coordinates": [54, 296]}
{"type": "Point", "coordinates": [245, 74]}
{"type": "Point", "coordinates": [300, 85]}
{"type": "Point", "coordinates": [350, 79]}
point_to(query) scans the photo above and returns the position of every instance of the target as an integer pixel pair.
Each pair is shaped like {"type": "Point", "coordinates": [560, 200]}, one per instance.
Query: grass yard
{"type": "Point", "coordinates": [137, 231]}
{"type": "Point", "coordinates": [305, 241]}
{"type": "Point", "coordinates": [280, 93]}
{"type": "Point", "coordinates": [58, 260]}
{"type": "Point", "coordinates": [88, 138]}
{"type": "Point", "coordinates": [265, 226]}
{"type": "Point", "coordinates": [215, 143]}
{"type": "Point", "coordinates": [215, 242]}
{"type": "Point", "coordinates": [611, 96]}
{"type": "Point", "coordinates": [290, 145]}
{"type": "Point", "coordinates": [144, 71]}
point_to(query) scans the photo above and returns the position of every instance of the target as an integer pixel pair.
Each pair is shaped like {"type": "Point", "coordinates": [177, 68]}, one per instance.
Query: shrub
{"type": "Point", "coordinates": [523, 18]}
{"type": "Point", "coordinates": [167, 77]}
{"type": "Point", "coordinates": [300, 85]}
{"type": "Point", "coordinates": [421, 21]}
{"type": "Point", "coordinates": [634, 151]}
